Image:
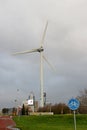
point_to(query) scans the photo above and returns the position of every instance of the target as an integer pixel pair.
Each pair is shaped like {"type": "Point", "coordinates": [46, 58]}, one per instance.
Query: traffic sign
{"type": "Point", "coordinates": [73, 104]}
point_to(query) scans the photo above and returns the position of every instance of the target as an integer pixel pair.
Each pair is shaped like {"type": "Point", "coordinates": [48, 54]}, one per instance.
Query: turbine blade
{"type": "Point", "coordinates": [44, 33]}
{"type": "Point", "coordinates": [49, 63]}
{"type": "Point", "coordinates": [27, 51]}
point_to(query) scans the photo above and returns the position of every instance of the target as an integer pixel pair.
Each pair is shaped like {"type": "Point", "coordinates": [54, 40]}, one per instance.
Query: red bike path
{"type": "Point", "coordinates": [6, 123]}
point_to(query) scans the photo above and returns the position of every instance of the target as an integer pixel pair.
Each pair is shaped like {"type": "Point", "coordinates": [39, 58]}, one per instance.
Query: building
{"type": "Point", "coordinates": [31, 104]}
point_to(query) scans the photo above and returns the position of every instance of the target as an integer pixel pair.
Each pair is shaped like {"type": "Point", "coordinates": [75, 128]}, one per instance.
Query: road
{"type": "Point", "coordinates": [6, 123]}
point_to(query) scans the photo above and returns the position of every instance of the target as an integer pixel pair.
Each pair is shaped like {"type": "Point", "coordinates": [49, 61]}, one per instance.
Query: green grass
{"type": "Point", "coordinates": [55, 122]}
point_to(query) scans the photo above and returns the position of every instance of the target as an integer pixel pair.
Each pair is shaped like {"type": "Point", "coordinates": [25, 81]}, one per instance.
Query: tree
{"type": "Point", "coordinates": [83, 101]}
{"type": "Point", "coordinates": [60, 108]}
{"type": "Point", "coordinates": [23, 110]}
{"type": "Point", "coordinates": [5, 110]}
{"type": "Point", "coordinates": [83, 97]}
{"type": "Point", "coordinates": [14, 111]}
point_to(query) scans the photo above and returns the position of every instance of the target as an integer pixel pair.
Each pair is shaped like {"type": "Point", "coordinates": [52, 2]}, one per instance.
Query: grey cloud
{"type": "Point", "coordinates": [21, 27]}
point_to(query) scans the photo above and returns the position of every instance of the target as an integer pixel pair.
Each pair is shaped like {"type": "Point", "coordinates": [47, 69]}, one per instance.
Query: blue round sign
{"type": "Point", "coordinates": [73, 104]}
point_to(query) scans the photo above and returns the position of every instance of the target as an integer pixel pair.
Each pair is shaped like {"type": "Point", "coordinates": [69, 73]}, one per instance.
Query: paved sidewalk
{"type": "Point", "coordinates": [6, 122]}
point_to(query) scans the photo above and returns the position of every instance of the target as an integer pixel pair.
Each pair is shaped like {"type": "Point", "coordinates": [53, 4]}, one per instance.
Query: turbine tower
{"type": "Point", "coordinates": [40, 50]}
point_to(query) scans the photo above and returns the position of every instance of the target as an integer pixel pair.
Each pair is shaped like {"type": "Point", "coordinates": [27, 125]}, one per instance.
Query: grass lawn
{"type": "Point", "coordinates": [52, 122]}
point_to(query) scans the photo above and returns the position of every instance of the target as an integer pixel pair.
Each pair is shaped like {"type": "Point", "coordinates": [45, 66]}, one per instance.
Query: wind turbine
{"type": "Point", "coordinates": [40, 50]}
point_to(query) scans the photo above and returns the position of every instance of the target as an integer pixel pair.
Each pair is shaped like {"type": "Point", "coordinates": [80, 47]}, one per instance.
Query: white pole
{"type": "Point", "coordinates": [41, 80]}
{"type": "Point", "coordinates": [74, 121]}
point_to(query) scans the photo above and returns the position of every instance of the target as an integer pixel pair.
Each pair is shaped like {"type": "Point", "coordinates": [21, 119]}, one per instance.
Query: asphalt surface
{"type": "Point", "coordinates": [6, 123]}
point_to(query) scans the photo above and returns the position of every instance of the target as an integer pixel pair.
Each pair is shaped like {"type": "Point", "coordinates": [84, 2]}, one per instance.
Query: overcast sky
{"type": "Point", "coordinates": [22, 24]}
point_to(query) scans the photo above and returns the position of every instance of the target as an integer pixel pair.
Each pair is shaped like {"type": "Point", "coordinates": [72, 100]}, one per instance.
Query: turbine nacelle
{"type": "Point", "coordinates": [40, 49]}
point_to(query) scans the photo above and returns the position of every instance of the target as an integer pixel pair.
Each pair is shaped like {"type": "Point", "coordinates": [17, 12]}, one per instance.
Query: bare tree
{"type": "Point", "coordinates": [83, 101]}
{"type": "Point", "coordinates": [83, 97]}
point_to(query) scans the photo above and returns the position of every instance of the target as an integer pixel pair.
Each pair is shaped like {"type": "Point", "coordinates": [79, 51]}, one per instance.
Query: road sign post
{"type": "Point", "coordinates": [73, 104]}
{"type": "Point", "coordinates": [74, 120]}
